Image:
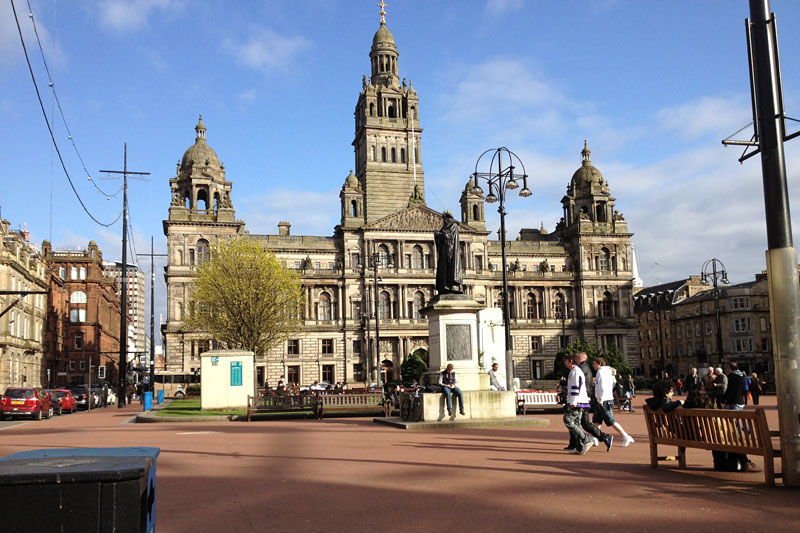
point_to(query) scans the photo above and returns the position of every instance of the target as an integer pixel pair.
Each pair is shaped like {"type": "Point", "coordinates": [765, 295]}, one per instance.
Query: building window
{"type": "Point", "coordinates": [402, 155]}
{"type": "Point", "coordinates": [293, 374]}
{"type": "Point", "coordinates": [604, 260]}
{"type": "Point", "coordinates": [558, 306]}
{"type": "Point", "coordinates": [357, 346]}
{"type": "Point", "coordinates": [83, 364]}
{"type": "Point", "coordinates": [78, 297]}
{"type": "Point", "coordinates": [384, 307]}
{"type": "Point", "coordinates": [324, 309]}
{"type": "Point", "coordinates": [606, 305]}
{"type": "Point", "coordinates": [531, 307]}
{"type": "Point", "coordinates": [416, 257]}
{"type": "Point", "coordinates": [537, 369]}
{"type": "Point", "coordinates": [764, 345]}
{"type": "Point", "coordinates": [327, 346]}
{"type": "Point", "coordinates": [62, 272]}
{"type": "Point", "coordinates": [82, 272]}
{"type": "Point", "coordinates": [356, 308]}
{"type": "Point", "coordinates": [358, 372]}
{"type": "Point", "coordinates": [328, 374]}
{"type": "Point", "coordinates": [394, 155]}
{"type": "Point", "coordinates": [688, 330]}
{"type": "Point", "coordinates": [79, 341]}
{"type": "Point", "coordinates": [203, 252]}
{"type": "Point", "coordinates": [383, 256]}
{"type": "Point", "coordinates": [77, 315]}
{"type": "Point", "coordinates": [383, 154]}
{"type": "Point", "coordinates": [419, 303]}
{"type": "Point", "coordinates": [73, 273]}
{"type": "Point", "coordinates": [536, 343]}
{"type": "Point", "coordinates": [72, 365]}
{"type": "Point", "coordinates": [293, 347]}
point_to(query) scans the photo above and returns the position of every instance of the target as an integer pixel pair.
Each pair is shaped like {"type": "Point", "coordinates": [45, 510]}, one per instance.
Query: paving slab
{"type": "Point", "coordinates": [351, 474]}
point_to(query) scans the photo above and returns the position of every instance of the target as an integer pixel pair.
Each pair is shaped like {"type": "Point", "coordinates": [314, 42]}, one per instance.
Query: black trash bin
{"type": "Point", "coordinates": [79, 489]}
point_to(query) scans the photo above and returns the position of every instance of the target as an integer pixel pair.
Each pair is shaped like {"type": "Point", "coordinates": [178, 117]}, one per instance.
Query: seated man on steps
{"type": "Point", "coordinates": [447, 379]}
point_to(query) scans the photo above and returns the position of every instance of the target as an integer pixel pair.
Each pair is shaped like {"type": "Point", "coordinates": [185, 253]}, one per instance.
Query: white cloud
{"type": "Point", "coordinates": [11, 50]}
{"type": "Point", "coordinates": [133, 14]}
{"type": "Point", "coordinates": [247, 96]}
{"type": "Point", "coordinates": [267, 50]}
{"type": "Point", "coordinates": [502, 7]}
{"type": "Point", "coordinates": [717, 116]}
{"type": "Point", "coordinates": [309, 213]}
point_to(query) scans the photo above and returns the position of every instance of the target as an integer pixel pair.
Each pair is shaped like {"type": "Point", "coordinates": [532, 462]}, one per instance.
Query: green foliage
{"type": "Point", "coordinates": [244, 298]}
{"type": "Point", "coordinates": [413, 367]}
{"type": "Point", "coordinates": [422, 353]}
{"type": "Point", "coordinates": [613, 356]}
{"type": "Point", "coordinates": [194, 387]}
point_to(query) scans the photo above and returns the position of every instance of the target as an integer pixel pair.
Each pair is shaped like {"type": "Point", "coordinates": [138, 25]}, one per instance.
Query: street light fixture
{"type": "Point", "coordinates": [498, 179]}
{"type": "Point", "coordinates": [713, 271]}
{"type": "Point", "coordinates": [374, 261]}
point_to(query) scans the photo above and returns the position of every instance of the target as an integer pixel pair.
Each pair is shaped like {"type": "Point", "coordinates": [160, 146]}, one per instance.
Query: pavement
{"type": "Point", "coordinates": [350, 474]}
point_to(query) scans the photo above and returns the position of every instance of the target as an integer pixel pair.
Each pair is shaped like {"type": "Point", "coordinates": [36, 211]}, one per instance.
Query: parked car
{"type": "Point", "coordinates": [26, 401]}
{"type": "Point", "coordinates": [83, 398]}
{"type": "Point", "coordinates": [55, 401]}
{"type": "Point", "coordinates": [68, 403]}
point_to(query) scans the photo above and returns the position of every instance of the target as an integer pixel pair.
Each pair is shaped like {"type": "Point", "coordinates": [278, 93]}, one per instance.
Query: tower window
{"type": "Point", "coordinates": [383, 154]}
{"type": "Point", "coordinates": [353, 208]}
{"type": "Point", "coordinates": [402, 155]}
{"type": "Point", "coordinates": [394, 155]}
{"type": "Point", "coordinates": [391, 111]}
{"type": "Point", "coordinates": [372, 109]}
{"type": "Point", "coordinates": [374, 153]}
{"type": "Point", "coordinates": [475, 213]}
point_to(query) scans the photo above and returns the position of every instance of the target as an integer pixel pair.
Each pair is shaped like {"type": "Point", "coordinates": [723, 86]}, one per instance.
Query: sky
{"type": "Point", "coordinates": [652, 86]}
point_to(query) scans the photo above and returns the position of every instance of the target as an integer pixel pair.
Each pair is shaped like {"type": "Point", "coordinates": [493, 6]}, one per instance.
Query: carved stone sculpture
{"type": "Point", "coordinates": [448, 265]}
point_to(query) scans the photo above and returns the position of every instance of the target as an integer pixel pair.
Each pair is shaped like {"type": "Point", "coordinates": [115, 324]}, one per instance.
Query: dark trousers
{"type": "Point", "coordinates": [588, 427]}
{"type": "Point", "coordinates": [755, 394]}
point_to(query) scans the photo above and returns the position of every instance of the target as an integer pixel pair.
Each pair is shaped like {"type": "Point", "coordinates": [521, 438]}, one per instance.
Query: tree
{"type": "Point", "coordinates": [413, 367]}
{"type": "Point", "coordinates": [244, 297]}
{"type": "Point", "coordinates": [613, 356]}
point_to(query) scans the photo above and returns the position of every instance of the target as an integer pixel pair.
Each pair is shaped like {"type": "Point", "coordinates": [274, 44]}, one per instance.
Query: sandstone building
{"type": "Point", "coordinates": [22, 324]}
{"type": "Point", "coordinates": [575, 281]}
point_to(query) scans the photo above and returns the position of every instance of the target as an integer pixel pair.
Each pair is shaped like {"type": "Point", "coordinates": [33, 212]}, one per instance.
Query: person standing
{"type": "Point", "coordinates": [631, 386]}
{"type": "Point", "coordinates": [720, 387]}
{"type": "Point", "coordinates": [693, 380]}
{"type": "Point", "coordinates": [494, 381]}
{"type": "Point", "coordinates": [734, 391]}
{"type": "Point", "coordinates": [746, 392]}
{"type": "Point", "coordinates": [755, 387]}
{"type": "Point", "coordinates": [447, 380]}
{"type": "Point", "coordinates": [604, 394]}
{"type": "Point", "coordinates": [708, 383]}
{"type": "Point", "coordinates": [577, 403]}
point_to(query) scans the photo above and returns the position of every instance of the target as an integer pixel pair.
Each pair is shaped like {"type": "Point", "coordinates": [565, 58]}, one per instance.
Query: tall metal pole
{"type": "Point", "coordinates": [375, 260]}
{"type": "Point", "coordinates": [784, 290]}
{"type": "Point", "coordinates": [123, 320]}
{"type": "Point", "coordinates": [720, 350]}
{"type": "Point", "coordinates": [152, 319]}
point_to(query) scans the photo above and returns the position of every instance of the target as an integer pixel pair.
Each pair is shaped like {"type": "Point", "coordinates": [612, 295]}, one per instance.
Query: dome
{"type": "Point", "coordinates": [587, 174]}
{"type": "Point", "coordinates": [200, 152]}
{"type": "Point", "coordinates": [383, 39]}
{"type": "Point", "coordinates": [351, 181]}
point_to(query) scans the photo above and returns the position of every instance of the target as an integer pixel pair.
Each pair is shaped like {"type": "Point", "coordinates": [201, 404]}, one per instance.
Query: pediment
{"type": "Point", "coordinates": [415, 218]}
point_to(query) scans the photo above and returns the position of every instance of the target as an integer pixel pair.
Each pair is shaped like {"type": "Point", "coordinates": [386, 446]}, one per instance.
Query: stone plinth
{"type": "Point", "coordinates": [478, 405]}
{"type": "Point", "coordinates": [453, 339]}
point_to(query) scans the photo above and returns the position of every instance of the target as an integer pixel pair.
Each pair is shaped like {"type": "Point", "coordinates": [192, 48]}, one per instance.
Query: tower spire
{"type": "Point", "coordinates": [382, 12]}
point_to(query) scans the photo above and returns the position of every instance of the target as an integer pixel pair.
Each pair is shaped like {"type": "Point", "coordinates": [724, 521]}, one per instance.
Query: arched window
{"type": "Point", "coordinates": [402, 155]}
{"type": "Point", "coordinates": [353, 208]}
{"type": "Point", "coordinates": [372, 109]}
{"type": "Point", "coordinates": [324, 309]}
{"type": "Point", "coordinates": [416, 257]}
{"type": "Point", "coordinates": [202, 200]}
{"type": "Point", "coordinates": [392, 113]}
{"type": "Point", "coordinates": [385, 306]}
{"type": "Point", "coordinates": [604, 260]}
{"type": "Point", "coordinates": [475, 212]}
{"type": "Point", "coordinates": [191, 256]}
{"type": "Point", "coordinates": [419, 303]}
{"type": "Point", "coordinates": [216, 202]}
{"type": "Point", "coordinates": [78, 297]}
{"type": "Point", "coordinates": [394, 155]}
{"type": "Point", "coordinates": [383, 256]}
{"type": "Point", "coordinates": [383, 154]}
{"type": "Point", "coordinates": [531, 307]}
{"type": "Point", "coordinates": [374, 153]}
{"type": "Point", "coordinates": [203, 253]}
{"type": "Point", "coordinates": [607, 305]}
{"type": "Point", "coordinates": [559, 308]}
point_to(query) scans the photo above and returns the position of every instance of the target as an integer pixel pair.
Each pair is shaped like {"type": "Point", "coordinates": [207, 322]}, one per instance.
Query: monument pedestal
{"type": "Point", "coordinates": [453, 338]}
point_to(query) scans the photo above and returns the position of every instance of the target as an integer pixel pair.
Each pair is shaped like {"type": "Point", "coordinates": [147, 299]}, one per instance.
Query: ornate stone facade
{"type": "Point", "coordinates": [573, 282]}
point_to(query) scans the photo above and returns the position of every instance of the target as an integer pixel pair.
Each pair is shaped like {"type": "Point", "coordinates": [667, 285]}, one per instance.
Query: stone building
{"type": "Point", "coordinates": [677, 327]}
{"type": "Point", "coordinates": [575, 281]}
{"type": "Point", "coordinates": [83, 317]}
{"type": "Point", "coordinates": [22, 324]}
{"type": "Point", "coordinates": [136, 305]}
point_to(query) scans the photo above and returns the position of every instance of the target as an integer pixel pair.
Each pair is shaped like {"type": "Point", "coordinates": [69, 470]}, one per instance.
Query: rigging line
{"type": "Point", "coordinates": [52, 86]}
{"type": "Point", "coordinates": [47, 121]}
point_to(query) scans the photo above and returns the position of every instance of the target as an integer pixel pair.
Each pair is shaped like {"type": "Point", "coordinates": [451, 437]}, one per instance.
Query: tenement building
{"type": "Point", "coordinates": [572, 282]}
{"type": "Point", "coordinates": [22, 271]}
{"type": "Point", "coordinates": [83, 317]}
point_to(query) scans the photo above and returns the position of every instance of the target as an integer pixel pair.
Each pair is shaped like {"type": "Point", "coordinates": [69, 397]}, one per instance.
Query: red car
{"type": "Point", "coordinates": [26, 401]}
{"type": "Point", "coordinates": [68, 402]}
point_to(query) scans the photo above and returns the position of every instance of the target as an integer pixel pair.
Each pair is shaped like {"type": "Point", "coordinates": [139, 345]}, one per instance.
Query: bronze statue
{"type": "Point", "coordinates": [448, 259]}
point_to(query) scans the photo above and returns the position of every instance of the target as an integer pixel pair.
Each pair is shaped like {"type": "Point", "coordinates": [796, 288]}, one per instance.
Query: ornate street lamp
{"type": "Point", "coordinates": [500, 179]}
{"type": "Point", "coordinates": [713, 271]}
{"type": "Point", "coordinates": [373, 262]}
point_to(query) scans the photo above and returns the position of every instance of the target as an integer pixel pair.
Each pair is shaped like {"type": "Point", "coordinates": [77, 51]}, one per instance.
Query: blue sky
{"type": "Point", "coordinates": [652, 85]}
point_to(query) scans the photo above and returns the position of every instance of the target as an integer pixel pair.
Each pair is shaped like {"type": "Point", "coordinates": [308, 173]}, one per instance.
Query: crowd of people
{"type": "Point", "coordinates": [718, 390]}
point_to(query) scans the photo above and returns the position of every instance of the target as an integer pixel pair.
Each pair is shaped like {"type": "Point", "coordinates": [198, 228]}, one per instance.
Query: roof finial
{"type": "Point", "coordinates": [585, 153]}
{"type": "Point", "coordinates": [382, 13]}
{"type": "Point", "coordinates": [200, 129]}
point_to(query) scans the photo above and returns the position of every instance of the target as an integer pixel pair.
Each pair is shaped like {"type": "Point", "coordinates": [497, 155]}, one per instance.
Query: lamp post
{"type": "Point", "coordinates": [373, 262]}
{"type": "Point", "coordinates": [713, 271]}
{"type": "Point", "coordinates": [499, 179]}
{"type": "Point", "coordinates": [560, 310]}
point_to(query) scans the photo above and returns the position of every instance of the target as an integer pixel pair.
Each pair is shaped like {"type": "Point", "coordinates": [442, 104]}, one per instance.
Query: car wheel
{"type": "Point", "coordinates": [50, 413]}
{"type": "Point", "coordinates": [38, 415]}
{"type": "Point", "coordinates": [179, 395]}
{"type": "Point", "coordinates": [74, 409]}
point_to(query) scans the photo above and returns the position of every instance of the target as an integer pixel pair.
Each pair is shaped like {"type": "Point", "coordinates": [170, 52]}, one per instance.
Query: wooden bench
{"type": "Point", "coordinates": [536, 400]}
{"type": "Point", "coordinates": [368, 401]}
{"type": "Point", "coordinates": [271, 403]}
{"type": "Point", "coordinates": [713, 429]}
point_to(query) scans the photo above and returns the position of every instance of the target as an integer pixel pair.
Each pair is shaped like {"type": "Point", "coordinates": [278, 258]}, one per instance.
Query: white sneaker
{"type": "Point", "coordinates": [595, 441]}
{"type": "Point", "coordinates": [627, 440]}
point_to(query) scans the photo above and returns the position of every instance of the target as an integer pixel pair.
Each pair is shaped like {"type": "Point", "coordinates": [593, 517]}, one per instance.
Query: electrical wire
{"type": "Point", "coordinates": [50, 128]}
{"type": "Point", "coordinates": [52, 86]}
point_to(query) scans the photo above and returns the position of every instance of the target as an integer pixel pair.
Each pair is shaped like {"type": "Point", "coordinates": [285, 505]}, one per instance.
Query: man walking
{"type": "Point", "coordinates": [586, 424]}
{"type": "Point", "coordinates": [604, 394]}
{"type": "Point", "coordinates": [577, 403]}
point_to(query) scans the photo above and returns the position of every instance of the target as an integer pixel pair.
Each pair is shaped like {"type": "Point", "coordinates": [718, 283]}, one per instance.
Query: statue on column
{"type": "Point", "coordinates": [448, 259]}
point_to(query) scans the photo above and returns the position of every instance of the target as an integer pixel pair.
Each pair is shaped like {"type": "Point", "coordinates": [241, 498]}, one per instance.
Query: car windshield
{"type": "Point", "coordinates": [19, 393]}
{"type": "Point", "coordinates": [58, 393]}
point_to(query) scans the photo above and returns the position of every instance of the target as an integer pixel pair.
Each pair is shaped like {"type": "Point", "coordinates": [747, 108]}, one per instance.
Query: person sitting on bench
{"type": "Point", "coordinates": [447, 379]}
